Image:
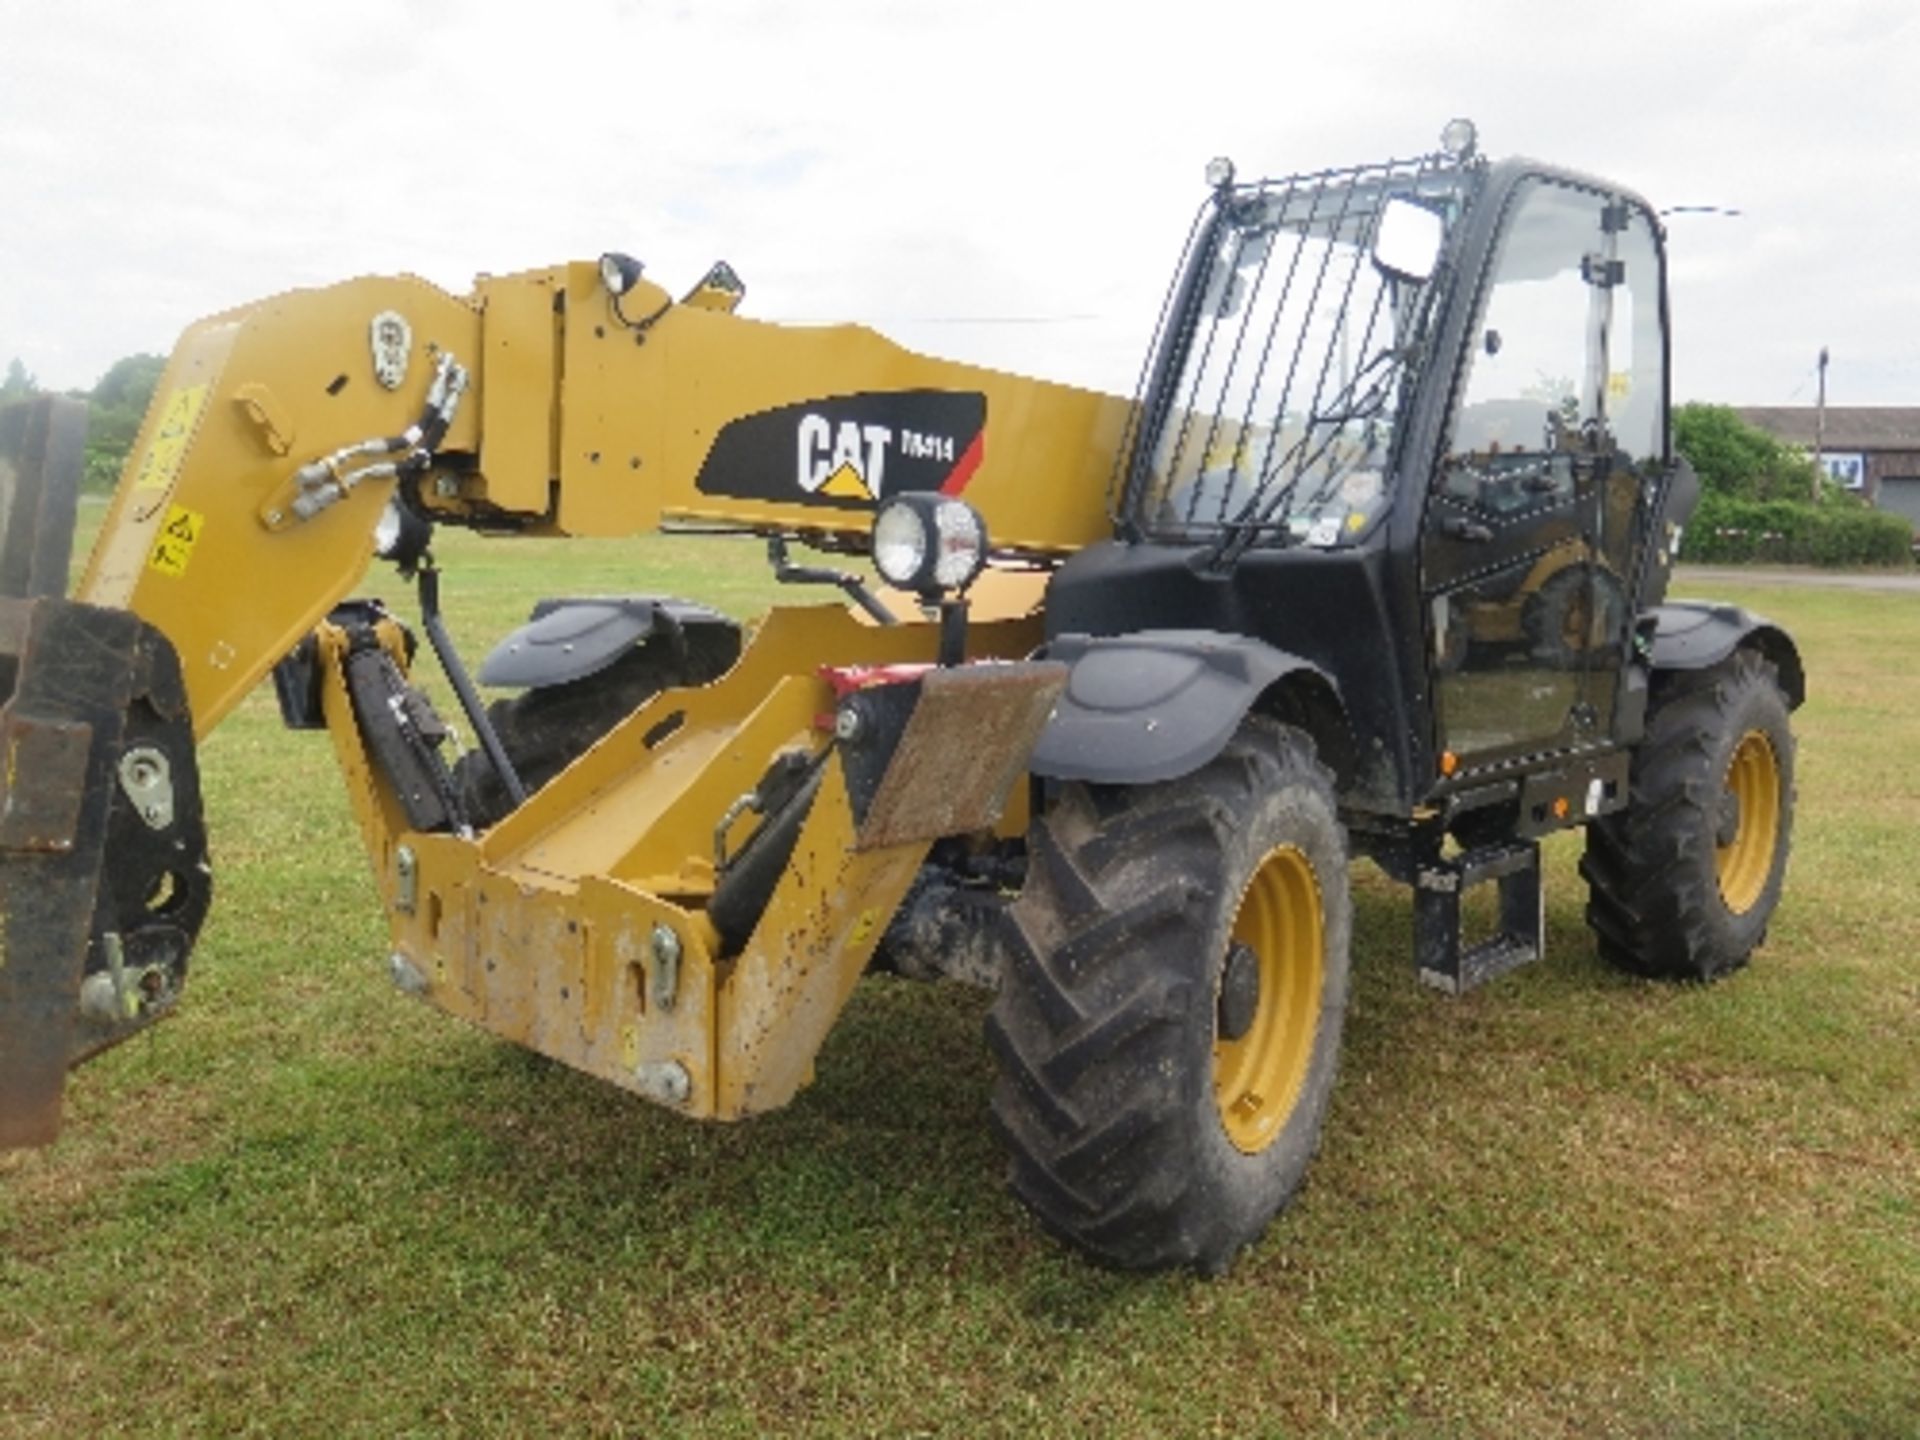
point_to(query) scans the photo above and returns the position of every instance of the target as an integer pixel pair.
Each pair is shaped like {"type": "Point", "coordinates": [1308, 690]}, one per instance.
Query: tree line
{"type": "Point", "coordinates": [1764, 501]}
{"type": "Point", "coordinates": [1755, 500]}
{"type": "Point", "coordinates": [115, 407]}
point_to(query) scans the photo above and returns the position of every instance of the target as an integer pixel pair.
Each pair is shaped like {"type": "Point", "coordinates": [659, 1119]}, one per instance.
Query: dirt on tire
{"type": "Point", "coordinates": [1104, 1027]}
{"type": "Point", "coordinates": [1655, 899]}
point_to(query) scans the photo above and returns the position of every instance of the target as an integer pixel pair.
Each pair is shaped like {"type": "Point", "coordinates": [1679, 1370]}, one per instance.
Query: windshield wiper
{"type": "Point", "coordinates": [1268, 497]}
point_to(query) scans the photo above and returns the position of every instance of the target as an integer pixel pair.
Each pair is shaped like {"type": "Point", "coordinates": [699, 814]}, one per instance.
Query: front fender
{"type": "Point", "coordinates": [1154, 705]}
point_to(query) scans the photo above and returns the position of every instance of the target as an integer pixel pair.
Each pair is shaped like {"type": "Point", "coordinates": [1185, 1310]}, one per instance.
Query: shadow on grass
{"type": "Point", "coordinates": [887, 1160]}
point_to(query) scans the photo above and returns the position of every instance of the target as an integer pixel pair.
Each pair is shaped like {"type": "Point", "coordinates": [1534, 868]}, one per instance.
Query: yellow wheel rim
{"type": "Point", "coordinates": [1744, 857]}
{"type": "Point", "coordinates": [1257, 1078]}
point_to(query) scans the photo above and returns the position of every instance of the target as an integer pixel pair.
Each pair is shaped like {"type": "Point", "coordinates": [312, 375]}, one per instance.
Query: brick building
{"type": "Point", "coordinates": [1872, 448]}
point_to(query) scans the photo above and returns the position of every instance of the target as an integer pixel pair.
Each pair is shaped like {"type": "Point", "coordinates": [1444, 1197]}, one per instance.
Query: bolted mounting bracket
{"type": "Point", "coordinates": [406, 880]}
{"type": "Point", "coordinates": [147, 779]}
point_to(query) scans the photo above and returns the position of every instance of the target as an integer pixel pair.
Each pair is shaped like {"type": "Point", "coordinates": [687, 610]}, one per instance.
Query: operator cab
{"type": "Point", "coordinates": [1407, 424]}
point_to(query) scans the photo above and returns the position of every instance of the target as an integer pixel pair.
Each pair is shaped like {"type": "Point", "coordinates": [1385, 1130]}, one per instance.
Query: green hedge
{"type": "Point", "coordinates": [1730, 532]}
{"type": "Point", "coordinates": [1739, 460]}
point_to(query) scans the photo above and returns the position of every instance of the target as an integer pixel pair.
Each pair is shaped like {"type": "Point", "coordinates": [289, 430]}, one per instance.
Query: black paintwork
{"type": "Point", "coordinates": [1152, 704]}
{"type": "Point", "coordinates": [297, 676]}
{"type": "Point", "coordinates": [403, 736]}
{"type": "Point", "coordinates": [1693, 634]}
{"type": "Point", "coordinates": [875, 720]}
{"type": "Point", "coordinates": [1358, 614]}
{"type": "Point", "coordinates": [754, 457]}
{"type": "Point", "coordinates": [1318, 610]}
{"type": "Point", "coordinates": [1519, 931]}
{"type": "Point", "coordinates": [569, 639]}
{"type": "Point", "coordinates": [747, 883]}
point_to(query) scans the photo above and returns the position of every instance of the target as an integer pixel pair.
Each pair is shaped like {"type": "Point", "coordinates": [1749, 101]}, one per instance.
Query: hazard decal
{"type": "Point", "coordinates": [173, 546]}
{"type": "Point", "coordinates": [161, 461]}
{"type": "Point", "coordinates": [850, 450]}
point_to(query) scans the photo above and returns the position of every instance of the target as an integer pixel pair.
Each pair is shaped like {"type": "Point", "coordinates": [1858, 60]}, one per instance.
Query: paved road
{"type": "Point", "coordinates": [1705, 576]}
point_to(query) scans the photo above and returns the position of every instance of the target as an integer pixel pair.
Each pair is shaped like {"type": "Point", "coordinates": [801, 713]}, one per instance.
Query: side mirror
{"type": "Point", "coordinates": [1406, 242]}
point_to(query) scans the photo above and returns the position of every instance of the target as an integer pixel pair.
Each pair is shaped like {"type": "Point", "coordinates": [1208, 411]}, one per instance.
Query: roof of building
{"type": "Point", "coordinates": [1848, 427]}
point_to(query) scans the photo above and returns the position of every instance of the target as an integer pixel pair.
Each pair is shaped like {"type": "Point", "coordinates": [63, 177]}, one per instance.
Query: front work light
{"type": "Point", "coordinates": [928, 543]}
{"type": "Point", "coordinates": [619, 273]}
{"type": "Point", "coordinates": [1460, 139]}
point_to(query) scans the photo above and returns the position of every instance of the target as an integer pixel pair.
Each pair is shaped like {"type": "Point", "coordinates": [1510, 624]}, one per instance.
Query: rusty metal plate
{"type": "Point", "coordinates": [965, 744]}
{"type": "Point", "coordinates": [43, 777]}
{"type": "Point", "coordinates": [69, 672]}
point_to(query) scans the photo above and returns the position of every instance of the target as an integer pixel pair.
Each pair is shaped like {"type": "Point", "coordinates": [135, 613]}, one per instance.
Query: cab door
{"type": "Point", "coordinates": [1529, 535]}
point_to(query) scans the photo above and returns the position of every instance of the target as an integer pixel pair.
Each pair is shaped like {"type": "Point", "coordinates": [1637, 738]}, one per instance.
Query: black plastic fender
{"type": "Point", "coordinates": [569, 639]}
{"type": "Point", "coordinates": [1694, 634]}
{"type": "Point", "coordinates": [1156, 704]}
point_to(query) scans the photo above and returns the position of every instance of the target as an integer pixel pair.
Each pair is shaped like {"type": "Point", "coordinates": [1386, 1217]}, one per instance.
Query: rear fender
{"type": "Point", "coordinates": [1694, 635]}
{"type": "Point", "coordinates": [570, 639]}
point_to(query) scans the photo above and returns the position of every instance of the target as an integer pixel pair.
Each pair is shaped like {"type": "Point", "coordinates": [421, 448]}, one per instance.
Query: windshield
{"type": "Point", "coordinates": [1282, 365]}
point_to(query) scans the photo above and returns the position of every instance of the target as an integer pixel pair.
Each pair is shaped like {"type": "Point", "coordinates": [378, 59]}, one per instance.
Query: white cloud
{"type": "Point", "coordinates": [1030, 165]}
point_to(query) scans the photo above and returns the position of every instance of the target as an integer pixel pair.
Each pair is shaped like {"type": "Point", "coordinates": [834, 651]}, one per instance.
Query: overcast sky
{"type": "Point", "coordinates": [1005, 181]}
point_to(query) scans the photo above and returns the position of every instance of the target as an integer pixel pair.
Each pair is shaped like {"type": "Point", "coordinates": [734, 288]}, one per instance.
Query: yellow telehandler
{"type": "Point", "coordinates": [1146, 673]}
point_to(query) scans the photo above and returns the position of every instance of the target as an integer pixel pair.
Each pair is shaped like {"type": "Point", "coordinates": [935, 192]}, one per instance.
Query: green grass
{"type": "Point", "coordinates": [1568, 1204]}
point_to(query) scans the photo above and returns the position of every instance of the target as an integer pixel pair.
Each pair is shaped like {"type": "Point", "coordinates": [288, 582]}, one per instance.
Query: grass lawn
{"type": "Point", "coordinates": [1571, 1203]}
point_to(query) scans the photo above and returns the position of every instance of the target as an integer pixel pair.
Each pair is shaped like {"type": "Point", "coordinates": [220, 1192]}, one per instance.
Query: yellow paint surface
{"type": "Point", "coordinates": [161, 462]}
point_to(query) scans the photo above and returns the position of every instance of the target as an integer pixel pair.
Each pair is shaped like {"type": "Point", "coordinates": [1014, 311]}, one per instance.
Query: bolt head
{"type": "Point", "coordinates": [666, 944]}
{"type": "Point", "coordinates": [407, 977]}
{"type": "Point", "coordinates": [666, 1081]}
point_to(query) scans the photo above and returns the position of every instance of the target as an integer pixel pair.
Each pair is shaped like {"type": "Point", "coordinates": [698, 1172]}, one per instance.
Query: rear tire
{"type": "Point", "coordinates": [545, 730]}
{"type": "Point", "coordinates": [1168, 1026]}
{"type": "Point", "coordinates": [1682, 883]}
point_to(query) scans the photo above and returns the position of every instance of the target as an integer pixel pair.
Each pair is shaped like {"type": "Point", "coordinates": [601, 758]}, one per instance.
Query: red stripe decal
{"type": "Point", "coordinates": [968, 463]}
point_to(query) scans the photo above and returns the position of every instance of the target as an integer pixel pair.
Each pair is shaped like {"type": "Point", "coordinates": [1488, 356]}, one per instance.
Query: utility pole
{"type": "Point", "coordinates": [1820, 429]}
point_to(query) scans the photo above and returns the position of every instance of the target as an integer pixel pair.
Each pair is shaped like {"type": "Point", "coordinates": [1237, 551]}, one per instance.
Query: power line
{"type": "Point", "coordinates": [942, 320]}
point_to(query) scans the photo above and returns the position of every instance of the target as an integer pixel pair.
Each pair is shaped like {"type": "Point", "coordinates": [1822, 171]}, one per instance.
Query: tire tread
{"type": "Point", "coordinates": [1097, 1012]}
{"type": "Point", "coordinates": [1653, 899]}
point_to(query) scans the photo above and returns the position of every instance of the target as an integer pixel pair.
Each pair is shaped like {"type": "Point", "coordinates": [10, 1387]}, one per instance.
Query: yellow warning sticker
{"type": "Point", "coordinates": [161, 463]}
{"type": "Point", "coordinates": [173, 546]}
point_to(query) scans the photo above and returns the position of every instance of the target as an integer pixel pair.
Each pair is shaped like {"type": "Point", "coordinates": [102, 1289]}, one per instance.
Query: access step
{"type": "Point", "coordinates": [1441, 883]}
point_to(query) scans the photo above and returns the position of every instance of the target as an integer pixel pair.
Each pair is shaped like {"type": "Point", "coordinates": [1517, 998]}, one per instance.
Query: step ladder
{"type": "Point", "coordinates": [1440, 884]}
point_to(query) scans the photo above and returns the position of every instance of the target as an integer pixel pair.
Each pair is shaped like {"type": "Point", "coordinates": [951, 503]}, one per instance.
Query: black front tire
{"type": "Point", "coordinates": [1683, 882]}
{"type": "Point", "coordinates": [1135, 1129]}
